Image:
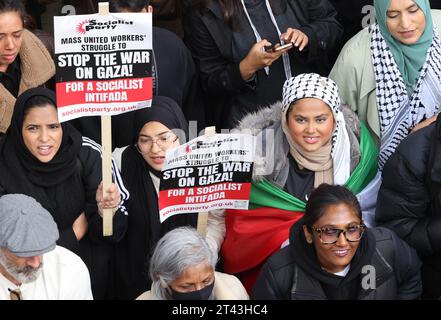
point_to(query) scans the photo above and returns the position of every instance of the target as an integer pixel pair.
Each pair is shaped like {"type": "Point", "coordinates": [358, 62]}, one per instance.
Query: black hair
{"type": "Point", "coordinates": [291, 106]}
{"type": "Point", "coordinates": [37, 101]}
{"type": "Point", "coordinates": [13, 6]}
{"type": "Point", "coordinates": [327, 195]}
{"type": "Point", "coordinates": [231, 10]}
{"type": "Point", "coordinates": [129, 5]}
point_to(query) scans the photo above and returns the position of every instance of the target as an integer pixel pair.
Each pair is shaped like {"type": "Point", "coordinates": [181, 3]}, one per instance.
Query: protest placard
{"type": "Point", "coordinates": [209, 172]}
{"type": "Point", "coordinates": [103, 69]}
{"type": "Point", "coordinates": [103, 64]}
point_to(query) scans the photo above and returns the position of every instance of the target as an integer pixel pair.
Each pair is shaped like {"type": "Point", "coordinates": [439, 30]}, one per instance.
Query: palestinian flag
{"type": "Point", "coordinates": [253, 235]}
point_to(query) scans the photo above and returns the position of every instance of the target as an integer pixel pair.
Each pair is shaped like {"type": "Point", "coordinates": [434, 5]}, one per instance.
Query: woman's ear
{"type": "Point", "coordinates": [308, 235]}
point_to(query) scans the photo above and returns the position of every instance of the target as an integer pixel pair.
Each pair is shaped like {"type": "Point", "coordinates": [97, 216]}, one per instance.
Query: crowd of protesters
{"type": "Point", "coordinates": [349, 183]}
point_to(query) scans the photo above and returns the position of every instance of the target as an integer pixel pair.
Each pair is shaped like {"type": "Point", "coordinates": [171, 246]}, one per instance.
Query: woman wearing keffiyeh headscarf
{"type": "Point", "coordinates": [51, 162]}
{"type": "Point", "coordinates": [390, 74]}
{"type": "Point", "coordinates": [306, 140]}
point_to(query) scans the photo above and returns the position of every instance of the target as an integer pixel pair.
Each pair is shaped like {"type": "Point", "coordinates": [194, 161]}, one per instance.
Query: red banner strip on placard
{"type": "Point", "coordinates": [76, 92]}
{"type": "Point", "coordinates": [184, 196]}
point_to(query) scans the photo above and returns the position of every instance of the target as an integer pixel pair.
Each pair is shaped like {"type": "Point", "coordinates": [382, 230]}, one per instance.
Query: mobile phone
{"type": "Point", "coordinates": [277, 47]}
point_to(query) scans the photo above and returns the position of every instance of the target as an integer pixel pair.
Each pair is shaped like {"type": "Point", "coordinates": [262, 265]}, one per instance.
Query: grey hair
{"type": "Point", "coordinates": [178, 250]}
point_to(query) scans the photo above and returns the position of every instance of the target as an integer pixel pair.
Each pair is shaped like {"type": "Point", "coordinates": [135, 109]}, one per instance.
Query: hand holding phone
{"type": "Point", "coordinates": [278, 47]}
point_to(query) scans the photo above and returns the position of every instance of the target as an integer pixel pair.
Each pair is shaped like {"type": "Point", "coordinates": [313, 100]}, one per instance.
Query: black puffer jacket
{"type": "Point", "coordinates": [396, 265]}
{"type": "Point", "coordinates": [409, 200]}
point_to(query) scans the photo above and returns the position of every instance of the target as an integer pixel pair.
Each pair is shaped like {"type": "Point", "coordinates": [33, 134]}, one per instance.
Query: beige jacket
{"type": "Point", "coordinates": [226, 287]}
{"type": "Point", "coordinates": [37, 67]}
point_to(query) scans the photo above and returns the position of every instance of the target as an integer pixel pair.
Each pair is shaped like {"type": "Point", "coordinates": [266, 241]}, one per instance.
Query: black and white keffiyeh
{"type": "Point", "coordinates": [398, 112]}
{"type": "Point", "coordinates": [312, 85]}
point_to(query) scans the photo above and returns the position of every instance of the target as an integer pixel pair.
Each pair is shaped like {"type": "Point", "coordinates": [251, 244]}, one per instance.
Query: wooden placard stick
{"type": "Point", "coordinates": [106, 142]}
{"type": "Point", "coordinates": [203, 216]}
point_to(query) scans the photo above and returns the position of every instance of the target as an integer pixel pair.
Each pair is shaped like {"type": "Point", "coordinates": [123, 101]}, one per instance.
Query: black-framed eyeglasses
{"type": "Point", "coordinates": [163, 141]}
{"type": "Point", "coordinates": [15, 294]}
{"type": "Point", "coordinates": [328, 235]}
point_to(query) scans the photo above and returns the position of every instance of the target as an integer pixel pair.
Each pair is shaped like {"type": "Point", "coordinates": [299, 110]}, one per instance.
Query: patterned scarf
{"type": "Point", "coordinates": [398, 113]}
{"type": "Point", "coordinates": [332, 163]}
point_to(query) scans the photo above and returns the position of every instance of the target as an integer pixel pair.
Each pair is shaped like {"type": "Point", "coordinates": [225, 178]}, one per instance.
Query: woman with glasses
{"type": "Point", "coordinates": [155, 130]}
{"type": "Point", "coordinates": [333, 256]}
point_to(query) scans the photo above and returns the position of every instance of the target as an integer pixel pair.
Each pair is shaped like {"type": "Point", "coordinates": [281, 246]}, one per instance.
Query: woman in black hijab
{"type": "Point", "coordinates": [54, 164]}
{"type": "Point", "coordinates": [141, 167]}
{"type": "Point", "coordinates": [333, 256]}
